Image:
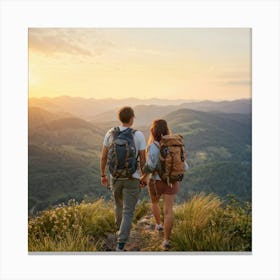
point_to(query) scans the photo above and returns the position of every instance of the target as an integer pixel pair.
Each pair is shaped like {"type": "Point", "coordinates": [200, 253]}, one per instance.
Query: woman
{"type": "Point", "coordinates": [157, 187]}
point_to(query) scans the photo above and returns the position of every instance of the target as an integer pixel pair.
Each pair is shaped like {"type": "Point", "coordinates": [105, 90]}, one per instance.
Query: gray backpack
{"type": "Point", "coordinates": [122, 157]}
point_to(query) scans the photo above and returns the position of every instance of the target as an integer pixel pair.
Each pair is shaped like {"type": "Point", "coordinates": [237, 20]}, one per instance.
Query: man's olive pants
{"type": "Point", "coordinates": [125, 193]}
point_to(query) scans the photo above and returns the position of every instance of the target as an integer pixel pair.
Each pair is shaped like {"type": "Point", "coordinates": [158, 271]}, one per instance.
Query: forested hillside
{"type": "Point", "coordinates": [63, 159]}
{"type": "Point", "coordinates": [64, 155]}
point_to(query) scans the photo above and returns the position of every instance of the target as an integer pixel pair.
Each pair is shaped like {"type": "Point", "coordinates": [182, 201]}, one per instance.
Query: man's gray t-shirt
{"type": "Point", "coordinates": [139, 140]}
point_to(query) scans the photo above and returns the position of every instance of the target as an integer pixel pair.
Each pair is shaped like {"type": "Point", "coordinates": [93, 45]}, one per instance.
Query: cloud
{"type": "Point", "coordinates": [83, 42]}
{"type": "Point", "coordinates": [238, 83]}
{"type": "Point", "coordinates": [235, 78]}
{"type": "Point", "coordinates": [234, 74]}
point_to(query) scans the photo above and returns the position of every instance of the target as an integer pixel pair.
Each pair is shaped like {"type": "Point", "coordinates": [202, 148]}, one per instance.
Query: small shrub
{"type": "Point", "coordinates": [72, 227]}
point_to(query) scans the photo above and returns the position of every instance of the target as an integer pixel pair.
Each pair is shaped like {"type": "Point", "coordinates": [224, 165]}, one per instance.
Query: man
{"type": "Point", "coordinates": [125, 186]}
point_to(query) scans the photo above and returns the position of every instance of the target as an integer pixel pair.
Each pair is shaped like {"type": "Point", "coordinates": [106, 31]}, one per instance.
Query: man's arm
{"type": "Point", "coordinates": [103, 162]}
{"type": "Point", "coordinates": [142, 155]}
{"type": "Point", "coordinates": [141, 145]}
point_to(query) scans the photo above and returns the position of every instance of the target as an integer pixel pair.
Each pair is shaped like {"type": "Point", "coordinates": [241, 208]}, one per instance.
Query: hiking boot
{"type": "Point", "coordinates": [120, 247]}
{"type": "Point", "coordinates": [166, 245]}
{"type": "Point", "coordinates": [159, 227]}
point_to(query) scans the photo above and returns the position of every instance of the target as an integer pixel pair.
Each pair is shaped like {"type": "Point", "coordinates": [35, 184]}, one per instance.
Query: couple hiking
{"type": "Point", "coordinates": [132, 166]}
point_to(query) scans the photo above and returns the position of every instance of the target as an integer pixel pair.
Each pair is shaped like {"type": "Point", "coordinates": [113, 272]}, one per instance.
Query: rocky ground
{"type": "Point", "coordinates": [143, 237]}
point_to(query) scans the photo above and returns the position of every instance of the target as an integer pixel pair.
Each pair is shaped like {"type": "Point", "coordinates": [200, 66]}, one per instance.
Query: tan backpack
{"type": "Point", "coordinates": [172, 158]}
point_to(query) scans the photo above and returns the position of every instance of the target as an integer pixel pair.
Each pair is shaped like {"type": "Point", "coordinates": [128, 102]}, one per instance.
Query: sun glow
{"type": "Point", "coordinates": [33, 80]}
{"type": "Point", "coordinates": [143, 63]}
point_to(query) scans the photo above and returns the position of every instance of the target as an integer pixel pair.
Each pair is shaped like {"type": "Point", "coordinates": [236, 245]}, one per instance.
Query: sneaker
{"type": "Point", "coordinates": [159, 227]}
{"type": "Point", "coordinates": [120, 247]}
{"type": "Point", "coordinates": [166, 245]}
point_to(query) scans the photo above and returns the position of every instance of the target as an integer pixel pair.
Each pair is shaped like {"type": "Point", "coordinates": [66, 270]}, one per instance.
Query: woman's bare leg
{"type": "Point", "coordinates": [168, 200]}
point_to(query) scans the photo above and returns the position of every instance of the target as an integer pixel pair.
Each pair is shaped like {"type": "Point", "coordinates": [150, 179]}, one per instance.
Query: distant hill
{"type": "Point", "coordinates": [88, 107]}
{"type": "Point", "coordinates": [241, 106]}
{"type": "Point", "coordinates": [205, 132]}
{"type": "Point", "coordinates": [105, 110]}
{"type": "Point", "coordinates": [39, 117]}
{"type": "Point", "coordinates": [56, 129]}
{"type": "Point", "coordinates": [145, 114]}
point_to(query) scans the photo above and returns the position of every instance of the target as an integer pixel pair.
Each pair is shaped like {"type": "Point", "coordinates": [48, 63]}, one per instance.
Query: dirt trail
{"type": "Point", "coordinates": [143, 237]}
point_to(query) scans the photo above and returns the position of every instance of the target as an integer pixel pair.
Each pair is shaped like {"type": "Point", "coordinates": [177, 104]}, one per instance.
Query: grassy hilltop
{"type": "Point", "coordinates": [203, 223]}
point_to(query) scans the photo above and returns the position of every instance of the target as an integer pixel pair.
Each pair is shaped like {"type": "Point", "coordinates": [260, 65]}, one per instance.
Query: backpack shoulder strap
{"type": "Point", "coordinates": [157, 144]}
{"type": "Point", "coordinates": [130, 129]}
{"type": "Point", "coordinates": [125, 130]}
{"type": "Point", "coordinates": [114, 131]}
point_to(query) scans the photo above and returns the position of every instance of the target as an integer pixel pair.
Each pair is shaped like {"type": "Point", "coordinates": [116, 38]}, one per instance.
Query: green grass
{"type": "Point", "coordinates": [205, 223]}
{"type": "Point", "coordinates": [141, 210]}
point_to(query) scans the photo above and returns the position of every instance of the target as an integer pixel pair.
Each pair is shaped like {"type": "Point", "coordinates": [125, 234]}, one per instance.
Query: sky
{"type": "Point", "coordinates": [169, 63]}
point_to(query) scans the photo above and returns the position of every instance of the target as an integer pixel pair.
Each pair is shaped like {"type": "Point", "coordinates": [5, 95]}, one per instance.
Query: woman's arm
{"type": "Point", "coordinates": [152, 159]}
{"type": "Point", "coordinates": [151, 162]}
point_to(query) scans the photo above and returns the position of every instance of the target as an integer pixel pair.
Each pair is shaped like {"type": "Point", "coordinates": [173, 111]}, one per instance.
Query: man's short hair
{"type": "Point", "coordinates": [125, 114]}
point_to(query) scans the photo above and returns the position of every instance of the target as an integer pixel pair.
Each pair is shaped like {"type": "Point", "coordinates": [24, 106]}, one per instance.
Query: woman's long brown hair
{"type": "Point", "coordinates": [158, 129]}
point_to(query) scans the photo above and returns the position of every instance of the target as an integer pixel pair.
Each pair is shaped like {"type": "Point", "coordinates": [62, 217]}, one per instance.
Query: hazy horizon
{"type": "Point", "coordinates": [136, 98]}
{"type": "Point", "coordinates": [168, 63]}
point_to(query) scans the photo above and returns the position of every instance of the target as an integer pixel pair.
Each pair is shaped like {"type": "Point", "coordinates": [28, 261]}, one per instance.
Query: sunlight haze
{"type": "Point", "coordinates": [182, 63]}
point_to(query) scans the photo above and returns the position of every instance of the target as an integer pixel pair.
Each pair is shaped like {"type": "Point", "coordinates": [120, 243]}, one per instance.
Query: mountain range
{"type": "Point", "coordinates": [105, 110]}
